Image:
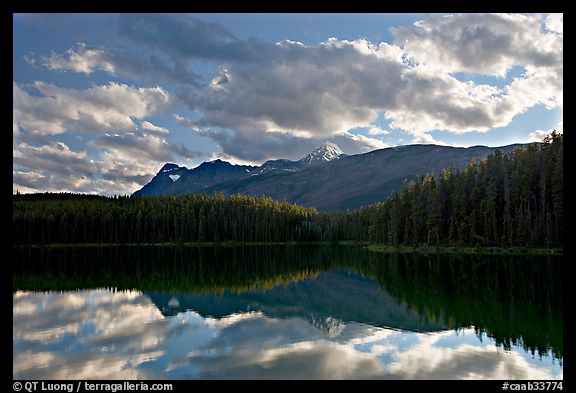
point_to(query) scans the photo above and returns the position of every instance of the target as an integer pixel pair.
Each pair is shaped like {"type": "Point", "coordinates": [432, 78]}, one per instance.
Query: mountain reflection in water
{"type": "Point", "coordinates": [283, 312]}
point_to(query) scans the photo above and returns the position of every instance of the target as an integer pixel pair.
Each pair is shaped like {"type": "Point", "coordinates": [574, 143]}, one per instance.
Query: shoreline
{"type": "Point", "coordinates": [386, 249]}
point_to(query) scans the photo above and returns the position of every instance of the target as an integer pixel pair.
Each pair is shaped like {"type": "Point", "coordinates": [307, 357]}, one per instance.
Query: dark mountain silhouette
{"type": "Point", "coordinates": [326, 178]}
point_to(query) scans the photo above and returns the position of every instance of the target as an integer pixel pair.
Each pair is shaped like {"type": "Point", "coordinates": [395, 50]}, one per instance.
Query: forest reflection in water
{"type": "Point", "coordinates": [294, 301]}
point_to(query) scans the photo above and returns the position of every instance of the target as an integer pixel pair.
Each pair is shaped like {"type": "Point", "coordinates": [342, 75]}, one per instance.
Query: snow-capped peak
{"type": "Point", "coordinates": [327, 152]}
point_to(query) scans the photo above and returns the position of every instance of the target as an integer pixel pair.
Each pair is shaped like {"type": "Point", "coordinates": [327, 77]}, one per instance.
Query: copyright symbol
{"type": "Point", "coordinates": [17, 386]}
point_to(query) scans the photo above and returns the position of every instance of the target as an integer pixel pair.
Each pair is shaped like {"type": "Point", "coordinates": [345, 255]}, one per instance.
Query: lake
{"type": "Point", "coordinates": [283, 312]}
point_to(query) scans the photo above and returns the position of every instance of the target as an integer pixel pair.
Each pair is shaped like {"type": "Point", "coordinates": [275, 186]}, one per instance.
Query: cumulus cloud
{"type": "Point", "coordinates": [417, 100]}
{"type": "Point", "coordinates": [482, 43]}
{"type": "Point", "coordinates": [539, 135]}
{"type": "Point", "coordinates": [537, 86]}
{"type": "Point", "coordinates": [82, 59]}
{"type": "Point", "coordinates": [259, 100]}
{"type": "Point", "coordinates": [254, 146]}
{"type": "Point", "coordinates": [119, 161]}
{"type": "Point", "coordinates": [125, 61]}
{"type": "Point", "coordinates": [124, 163]}
{"type": "Point", "coordinates": [308, 92]}
{"type": "Point", "coordinates": [328, 89]}
{"type": "Point", "coordinates": [98, 108]}
{"type": "Point", "coordinates": [53, 157]}
{"type": "Point", "coordinates": [51, 167]}
{"type": "Point", "coordinates": [443, 102]}
{"type": "Point", "coordinates": [426, 139]}
{"type": "Point", "coordinates": [138, 144]}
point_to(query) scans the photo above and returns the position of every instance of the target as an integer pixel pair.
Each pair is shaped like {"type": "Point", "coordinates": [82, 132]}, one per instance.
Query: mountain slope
{"type": "Point", "coordinates": [208, 174]}
{"type": "Point", "coordinates": [163, 181]}
{"type": "Point", "coordinates": [357, 180]}
{"type": "Point", "coordinates": [325, 179]}
{"type": "Point", "coordinates": [173, 179]}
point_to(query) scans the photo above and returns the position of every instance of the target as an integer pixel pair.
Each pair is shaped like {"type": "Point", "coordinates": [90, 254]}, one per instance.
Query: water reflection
{"type": "Point", "coordinates": [120, 335]}
{"type": "Point", "coordinates": [282, 313]}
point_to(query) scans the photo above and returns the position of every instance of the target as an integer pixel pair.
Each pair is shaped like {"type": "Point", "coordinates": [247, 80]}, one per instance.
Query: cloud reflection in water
{"type": "Point", "coordinates": [106, 334]}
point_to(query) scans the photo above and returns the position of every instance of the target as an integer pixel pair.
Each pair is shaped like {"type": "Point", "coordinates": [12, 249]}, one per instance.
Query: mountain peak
{"type": "Point", "coordinates": [215, 163]}
{"type": "Point", "coordinates": [328, 151]}
{"type": "Point", "coordinates": [170, 167]}
{"type": "Point", "coordinates": [331, 145]}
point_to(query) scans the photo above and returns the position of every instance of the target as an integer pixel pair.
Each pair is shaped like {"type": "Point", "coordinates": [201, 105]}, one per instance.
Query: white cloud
{"type": "Point", "coordinates": [135, 145]}
{"type": "Point", "coordinates": [267, 101]}
{"type": "Point", "coordinates": [253, 146]}
{"type": "Point", "coordinates": [57, 149]}
{"type": "Point", "coordinates": [425, 139]}
{"type": "Point", "coordinates": [537, 86]}
{"type": "Point", "coordinates": [555, 23]}
{"type": "Point", "coordinates": [122, 164]}
{"type": "Point", "coordinates": [120, 161]}
{"type": "Point", "coordinates": [481, 43]}
{"type": "Point", "coordinates": [539, 135]}
{"type": "Point", "coordinates": [27, 182]}
{"type": "Point", "coordinates": [293, 89]}
{"type": "Point", "coordinates": [355, 143]}
{"type": "Point", "coordinates": [152, 127]}
{"type": "Point", "coordinates": [377, 131]}
{"type": "Point", "coordinates": [52, 167]}
{"type": "Point", "coordinates": [328, 89]}
{"type": "Point", "coordinates": [217, 155]}
{"type": "Point", "coordinates": [82, 59]}
{"type": "Point", "coordinates": [99, 108]}
{"type": "Point", "coordinates": [440, 101]}
{"type": "Point", "coordinates": [124, 61]}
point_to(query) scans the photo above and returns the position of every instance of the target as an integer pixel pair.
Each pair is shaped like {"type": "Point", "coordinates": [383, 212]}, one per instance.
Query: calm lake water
{"type": "Point", "coordinates": [283, 312]}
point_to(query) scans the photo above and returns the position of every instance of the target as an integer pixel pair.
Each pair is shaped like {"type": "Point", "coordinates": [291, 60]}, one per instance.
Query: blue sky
{"type": "Point", "coordinates": [102, 101]}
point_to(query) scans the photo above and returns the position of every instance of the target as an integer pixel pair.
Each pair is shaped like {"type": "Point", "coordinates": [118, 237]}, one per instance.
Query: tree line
{"type": "Point", "coordinates": [57, 218]}
{"type": "Point", "coordinates": [505, 200]}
